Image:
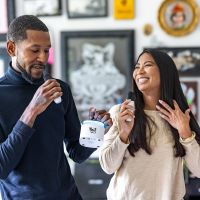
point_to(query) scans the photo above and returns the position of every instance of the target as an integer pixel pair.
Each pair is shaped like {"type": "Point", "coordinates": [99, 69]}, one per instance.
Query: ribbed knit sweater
{"type": "Point", "coordinates": [158, 176]}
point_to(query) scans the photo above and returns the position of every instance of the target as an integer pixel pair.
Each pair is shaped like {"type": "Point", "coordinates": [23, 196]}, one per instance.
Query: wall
{"type": "Point", "coordinates": [146, 11]}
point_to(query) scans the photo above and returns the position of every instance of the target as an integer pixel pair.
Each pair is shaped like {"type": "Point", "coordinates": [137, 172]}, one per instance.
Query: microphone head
{"type": "Point", "coordinates": [131, 96]}
{"type": "Point", "coordinates": [46, 75]}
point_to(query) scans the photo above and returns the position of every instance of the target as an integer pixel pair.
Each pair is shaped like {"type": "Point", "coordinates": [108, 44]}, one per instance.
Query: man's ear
{"type": "Point", "coordinates": [11, 48]}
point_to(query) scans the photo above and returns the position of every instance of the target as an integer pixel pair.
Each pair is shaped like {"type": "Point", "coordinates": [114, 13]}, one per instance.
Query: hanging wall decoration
{"type": "Point", "coordinates": [178, 17]}
{"type": "Point", "coordinates": [42, 7]}
{"type": "Point", "coordinates": [187, 59]}
{"type": "Point", "coordinates": [87, 8]}
{"type": "Point", "coordinates": [98, 66]}
{"type": "Point", "coordinates": [124, 9]}
{"type": "Point", "coordinates": [7, 14]}
{"type": "Point", "coordinates": [4, 60]}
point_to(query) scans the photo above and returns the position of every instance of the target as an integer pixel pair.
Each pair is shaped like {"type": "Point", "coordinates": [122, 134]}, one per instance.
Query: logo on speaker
{"type": "Point", "coordinates": [92, 130]}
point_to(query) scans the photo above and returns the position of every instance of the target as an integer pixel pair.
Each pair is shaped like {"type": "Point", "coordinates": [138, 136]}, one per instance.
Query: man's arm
{"type": "Point", "coordinates": [77, 152]}
{"type": "Point", "coordinates": [12, 148]}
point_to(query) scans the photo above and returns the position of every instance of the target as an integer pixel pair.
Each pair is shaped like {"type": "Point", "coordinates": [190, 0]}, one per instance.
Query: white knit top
{"type": "Point", "coordinates": [158, 176]}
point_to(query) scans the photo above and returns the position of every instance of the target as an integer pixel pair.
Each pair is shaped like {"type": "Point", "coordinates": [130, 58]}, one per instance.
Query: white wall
{"type": "Point", "coordinates": [146, 11]}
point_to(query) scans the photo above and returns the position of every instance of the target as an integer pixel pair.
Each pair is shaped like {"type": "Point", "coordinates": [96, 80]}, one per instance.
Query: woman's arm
{"type": "Point", "coordinates": [113, 150]}
{"type": "Point", "coordinates": [192, 156]}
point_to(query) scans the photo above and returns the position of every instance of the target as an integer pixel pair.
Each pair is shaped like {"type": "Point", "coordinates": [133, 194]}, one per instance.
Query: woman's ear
{"type": "Point", "coordinates": [11, 48]}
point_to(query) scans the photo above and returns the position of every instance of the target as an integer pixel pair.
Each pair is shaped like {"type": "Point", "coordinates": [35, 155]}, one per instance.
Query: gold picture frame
{"type": "Point", "coordinates": [178, 17]}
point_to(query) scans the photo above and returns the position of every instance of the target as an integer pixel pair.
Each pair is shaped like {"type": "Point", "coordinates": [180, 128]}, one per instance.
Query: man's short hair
{"type": "Point", "coordinates": [18, 27]}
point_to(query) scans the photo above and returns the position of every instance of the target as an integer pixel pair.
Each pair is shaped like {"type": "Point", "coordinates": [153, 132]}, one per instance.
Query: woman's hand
{"type": "Point", "coordinates": [126, 120]}
{"type": "Point", "coordinates": [176, 118]}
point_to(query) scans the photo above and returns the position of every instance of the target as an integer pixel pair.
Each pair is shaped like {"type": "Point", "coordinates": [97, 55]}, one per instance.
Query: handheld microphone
{"type": "Point", "coordinates": [131, 97]}
{"type": "Point", "coordinates": [46, 77]}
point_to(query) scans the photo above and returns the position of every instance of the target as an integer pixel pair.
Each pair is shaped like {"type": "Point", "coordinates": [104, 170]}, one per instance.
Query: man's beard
{"type": "Point", "coordinates": [28, 76]}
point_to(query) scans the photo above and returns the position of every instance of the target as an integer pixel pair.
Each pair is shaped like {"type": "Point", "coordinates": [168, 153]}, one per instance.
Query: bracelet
{"type": "Point", "coordinates": [189, 139]}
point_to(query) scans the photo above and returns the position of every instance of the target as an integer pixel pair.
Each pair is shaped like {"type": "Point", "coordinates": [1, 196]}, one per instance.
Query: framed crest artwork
{"type": "Point", "coordinates": [178, 17]}
{"type": "Point", "coordinates": [7, 14]}
{"type": "Point", "coordinates": [98, 66]}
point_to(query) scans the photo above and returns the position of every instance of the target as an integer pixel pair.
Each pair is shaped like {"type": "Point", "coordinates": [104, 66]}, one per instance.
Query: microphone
{"type": "Point", "coordinates": [131, 97]}
{"type": "Point", "coordinates": [47, 76]}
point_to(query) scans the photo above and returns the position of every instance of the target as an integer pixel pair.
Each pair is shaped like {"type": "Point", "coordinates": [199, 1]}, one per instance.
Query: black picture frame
{"type": "Point", "coordinates": [4, 60]}
{"type": "Point", "coordinates": [187, 59]}
{"type": "Point", "coordinates": [7, 16]}
{"type": "Point", "coordinates": [87, 8]}
{"type": "Point", "coordinates": [42, 7]}
{"type": "Point", "coordinates": [84, 50]}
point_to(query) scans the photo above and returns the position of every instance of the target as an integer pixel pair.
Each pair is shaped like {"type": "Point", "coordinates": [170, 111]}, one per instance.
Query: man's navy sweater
{"type": "Point", "coordinates": [33, 165]}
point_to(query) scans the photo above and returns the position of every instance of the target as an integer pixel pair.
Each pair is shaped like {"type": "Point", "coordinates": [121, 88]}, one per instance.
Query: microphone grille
{"type": "Point", "coordinates": [46, 75]}
{"type": "Point", "coordinates": [131, 96]}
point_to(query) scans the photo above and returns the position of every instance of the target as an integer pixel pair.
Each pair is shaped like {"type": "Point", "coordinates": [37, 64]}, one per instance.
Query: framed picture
{"type": "Point", "coordinates": [98, 66]}
{"type": "Point", "coordinates": [87, 8]}
{"type": "Point", "coordinates": [187, 59]}
{"type": "Point", "coordinates": [190, 90]}
{"type": "Point", "coordinates": [42, 7]}
{"type": "Point", "coordinates": [124, 9]}
{"type": "Point", "coordinates": [178, 17]}
{"type": "Point", "coordinates": [4, 60]}
{"type": "Point", "coordinates": [7, 14]}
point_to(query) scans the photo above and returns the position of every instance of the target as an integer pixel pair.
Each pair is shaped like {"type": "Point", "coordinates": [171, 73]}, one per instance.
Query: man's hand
{"type": "Point", "coordinates": [100, 115]}
{"type": "Point", "coordinates": [42, 98]}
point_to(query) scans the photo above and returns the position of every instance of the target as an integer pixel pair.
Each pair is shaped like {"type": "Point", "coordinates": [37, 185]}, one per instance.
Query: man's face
{"type": "Point", "coordinates": [32, 53]}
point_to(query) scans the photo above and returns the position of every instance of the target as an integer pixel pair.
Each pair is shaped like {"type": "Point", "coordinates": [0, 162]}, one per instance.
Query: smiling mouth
{"type": "Point", "coordinates": [142, 80]}
{"type": "Point", "coordinates": [41, 67]}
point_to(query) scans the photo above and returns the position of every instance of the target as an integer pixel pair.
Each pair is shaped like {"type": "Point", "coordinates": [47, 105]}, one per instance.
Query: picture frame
{"type": "Point", "coordinates": [190, 90]}
{"type": "Point", "coordinates": [7, 14]}
{"type": "Point", "coordinates": [87, 8]}
{"type": "Point", "coordinates": [98, 66]}
{"type": "Point", "coordinates": [4, 60]}
{"type": "Point", "coordinates": [178, 17]}
{"type": "Point", "coordinates": [187, 59]}
{"type": "Point", "coordinates": [124, 9]}
{"type": "Point", "coordinates": [42, 7]}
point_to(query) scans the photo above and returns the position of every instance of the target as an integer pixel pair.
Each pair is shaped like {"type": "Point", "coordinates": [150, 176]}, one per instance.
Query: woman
{"type": "Point", "coordinates": [146, 153]}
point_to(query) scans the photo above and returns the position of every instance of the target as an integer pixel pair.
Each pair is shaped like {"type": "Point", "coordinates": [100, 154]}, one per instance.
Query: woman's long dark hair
{"type": "Point", "coordinates": [170, 90]}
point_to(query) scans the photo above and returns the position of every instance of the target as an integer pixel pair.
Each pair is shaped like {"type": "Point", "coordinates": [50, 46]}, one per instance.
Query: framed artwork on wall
{"type": "Point", "coordinates": [42, 7]}
{"type": "Point", "coordinates": [190, 90]}
{"type": "Point", "coordinates": [7, 14]}
{"type": "Point", "coordinates": [187, 59]}
{"type": "Point", "coordinates": [98, 66]}
{"type": "Point", "coordinates": [4, 60]}
{"type": "Point", "coordinates": [178, 17]}
{"type": "Point", "coordinates": [124, 9]}
{"type": "Point", "coordinates": [87, 8]}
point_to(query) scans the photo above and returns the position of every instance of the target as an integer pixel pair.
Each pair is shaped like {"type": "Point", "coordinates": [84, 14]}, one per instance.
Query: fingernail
{"type": "Point", "coordinates": [106, 125]}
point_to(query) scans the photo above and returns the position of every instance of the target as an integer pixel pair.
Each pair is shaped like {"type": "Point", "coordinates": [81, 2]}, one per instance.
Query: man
{"type": "Point", "coordinates": [33, 127]}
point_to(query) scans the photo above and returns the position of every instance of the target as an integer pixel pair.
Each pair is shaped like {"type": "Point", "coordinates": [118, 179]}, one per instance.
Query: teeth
{"type": "Point", "coordinates": [142, 80]}
{"type": "Point", "coordinates": [38, 67]}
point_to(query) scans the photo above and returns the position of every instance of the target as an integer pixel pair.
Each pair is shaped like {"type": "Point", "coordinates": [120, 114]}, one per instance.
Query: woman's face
{"type": "Point", "coordinates": [147, 75]}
